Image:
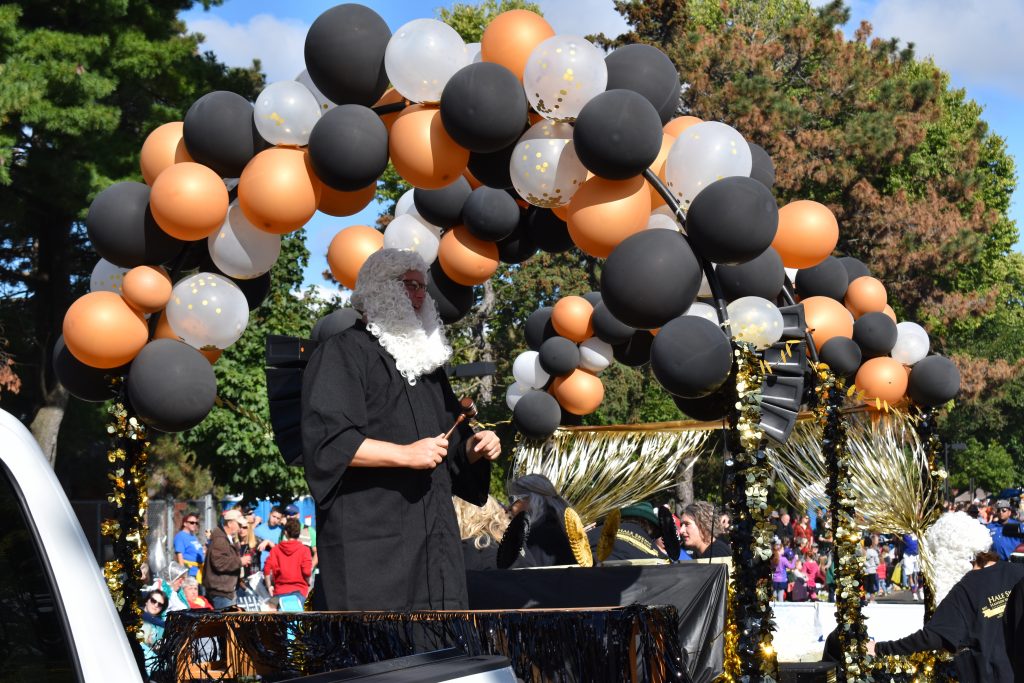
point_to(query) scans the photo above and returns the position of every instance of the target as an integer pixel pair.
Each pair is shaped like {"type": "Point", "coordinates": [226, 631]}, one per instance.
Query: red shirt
{"type": "Point", "coordinates": [290, 563]}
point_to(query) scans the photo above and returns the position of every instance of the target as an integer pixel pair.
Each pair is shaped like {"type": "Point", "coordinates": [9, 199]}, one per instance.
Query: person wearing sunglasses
{"type": "Point", "coordinates": [152, 626]}
{"type": "Point", "coordinates": [188, 549]}
{"type": "Point", "coordinates": [382, 452]}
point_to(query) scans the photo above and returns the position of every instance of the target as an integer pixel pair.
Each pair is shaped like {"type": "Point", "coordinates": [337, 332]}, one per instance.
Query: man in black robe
{"type": "Point", "coordinates": [376, 405]}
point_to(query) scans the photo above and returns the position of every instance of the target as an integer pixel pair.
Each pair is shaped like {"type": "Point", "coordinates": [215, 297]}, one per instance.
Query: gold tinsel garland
{"type": "Point", "coordinates": [753, 531]}
{"type": "Point", "coordinates": [730, 654]}
{"type": "Point", "coordinates": [127, 472]}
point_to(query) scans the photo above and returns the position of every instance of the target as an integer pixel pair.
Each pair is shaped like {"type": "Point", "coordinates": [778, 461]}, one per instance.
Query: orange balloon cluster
{"type": "Point", "coordinates": [826, 318]}
{"type": "Point", "coordinates": [807, 234]}
{"type": "Point", "coordinates": [579, 393]}
{"type": "Point", "coordinates": [866, 295]}
{"type": "Point", "coordinates": [349, 250]}
{"type": "Point", "coordinates": [189, 201]}
{"type": "Point", "coordinates": [571, 318]}
{"type": "Point", "coordinates": [146, 288]}
{"type": "Point", "coordinates": [467, 260]}
{"type": "Point", "coordinates": [422, 151]}
{"type": "Point", "coordinates": [164, 147]}
{"type": "Point", "coordinates": [101, 330]}
{"type": "Point", "coordinates": [511, 37]}
{"type": "Point", "coordinates": [604, 212]}
{"type": "Point", "coordinates": [278, 191]}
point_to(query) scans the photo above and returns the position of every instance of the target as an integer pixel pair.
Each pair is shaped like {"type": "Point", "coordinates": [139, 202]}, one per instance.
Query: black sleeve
{"type": "Point", "coordinates": [920, 641]}
{"type": "Point", "coordinates": [333, 415]}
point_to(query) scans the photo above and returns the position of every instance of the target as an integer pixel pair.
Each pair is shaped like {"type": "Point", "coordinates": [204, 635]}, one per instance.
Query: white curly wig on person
{"type": "Point", "coordinates": [950, 546]}
{"type": "Point", "coordinates": [415, 339]}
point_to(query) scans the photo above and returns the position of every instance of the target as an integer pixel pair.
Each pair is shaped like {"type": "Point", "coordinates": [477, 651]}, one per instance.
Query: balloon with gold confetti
{"type": "Point", "coordinates": [562, 74]}
{"type": "Point", "coordinates": [208, 310]}
{"type": "Point", "coordinates": [106, 277]}
{"type": "Point", "coordinates": [544, 167]}
{"type": "Point", "coordinates": [702, 154]}
{"type": "Point", "coordinates": [285, 113]}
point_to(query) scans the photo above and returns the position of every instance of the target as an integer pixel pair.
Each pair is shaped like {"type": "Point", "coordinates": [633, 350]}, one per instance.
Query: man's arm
{"type": "Point", "coordinates": [425, 454]}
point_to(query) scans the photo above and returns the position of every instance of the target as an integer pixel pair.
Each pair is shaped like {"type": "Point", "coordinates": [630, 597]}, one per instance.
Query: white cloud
{"type": "Point", "coordinates": [583, 17]}
{"type": "Point", "coordinates": [277, 43]}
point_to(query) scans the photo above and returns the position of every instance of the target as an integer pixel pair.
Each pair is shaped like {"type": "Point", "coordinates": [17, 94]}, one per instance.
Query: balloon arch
{"type": "Point", "coordinates": [527, 141]}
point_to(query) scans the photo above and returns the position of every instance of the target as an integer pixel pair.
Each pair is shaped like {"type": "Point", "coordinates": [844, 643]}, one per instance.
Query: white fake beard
{"type": "Point", "coordinates": [415, 339]}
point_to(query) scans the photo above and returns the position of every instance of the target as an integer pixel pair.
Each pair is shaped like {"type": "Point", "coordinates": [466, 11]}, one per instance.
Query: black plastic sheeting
{"type": "Point", "coordinates": [697, 590]}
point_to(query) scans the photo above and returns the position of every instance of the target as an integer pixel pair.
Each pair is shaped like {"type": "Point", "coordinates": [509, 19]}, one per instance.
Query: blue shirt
{"type": "Point", "coordinates": [190, 548]}
{"type": "Point", "coordinates": [265, 532]}
{"type": "Point", "coordinates": [1002, 545]}
{"type": "Point", "coordinates": [909, 545]}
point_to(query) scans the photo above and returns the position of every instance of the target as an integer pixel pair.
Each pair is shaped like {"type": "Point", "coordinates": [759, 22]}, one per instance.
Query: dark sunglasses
{"type": "Point", "coordinates": [159, 603]}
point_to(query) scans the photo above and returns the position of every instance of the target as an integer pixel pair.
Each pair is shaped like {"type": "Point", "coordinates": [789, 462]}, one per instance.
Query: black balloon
{"type": "Point", "coordinates": [608, 328]}
{"type": "Point", "coordinates": [650, 278]}
{"type": "Point", "coordinates": [122, 230]}
{"type": "Point", "coordinates": [538, 328]}
{"type": "Point", "coordinates": [220, 132]}
{"type": "Point", "coordinates": [875, 334]}
{"type": "Point", "coordinates": [732, 220]}
{"type": "Point", "coordinates": [483, 107]}
{"type": "Point", "coordinates": [443, 207]}
{"type": "Point", "coordinates": [333, 323]}
{"type": "Point", "coordinates": [559, 356]}
{"type": "Point", "coordinates": [762, 169]}
{"type": "Point", "coordinates": [636, 351]}
{"type": "Point", "coordinates": [842, 355]}
{"type": "Point", "coordinates": [762, 276]}
{"type": "Point", "coordinates": [828, 278]}
{"type": "Point", "coordinates": [593, 298]}
{"type": "Point", "coordinates": [348, 147]}
{"type": "Point", "coordinates": [452, 300]}
{"type": "Point", "coordinates": [81, 380]}
{"type": "Point", "coordinates": [518, 246]}
{"type": "Point", "coordinates": [344, 54]}
{"type": "Point", "coordinates": [648, 71]}
{"type": "Point", "coordinates": [713, 407]}
{"type": "Point", "coordinates": [490, 214]}
{"type": "Point", "coordinates": [617, 134]}
{"type": "Point", "coordinates": [492, 168]}
{"type": "Point", "coordinates": [537, 414]}
{"type": "Point", "coordinates": [855, 268]}
{"type": "Point", "coordinates": [934, 380]}
{"type": "Point", "coordinates": [549, 231]}
{"type": "Point", "coordinates": [171, 385]}
{"type": "Point", "coordinates": [691, 356]}
{"type": "Point", "coordinates": [255, 289]}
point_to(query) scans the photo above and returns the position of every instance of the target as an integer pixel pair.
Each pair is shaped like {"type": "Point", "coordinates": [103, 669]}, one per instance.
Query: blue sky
{"type": "Point", "coordinates": [977, 41]}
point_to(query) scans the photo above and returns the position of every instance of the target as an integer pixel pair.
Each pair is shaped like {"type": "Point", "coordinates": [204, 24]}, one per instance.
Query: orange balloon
{"type": "Point", "coordinates": [676, 126]}
{"type": "Point", "coordinates": [579, 393]}
{"type": "Point", "coordinates": [146, 288]}
{"type": "Point", "coordinates": [466, 259]}
{"type": "Point", "coordinates": [659, 169]}
{"type": "Point", "coordinates": [826, 318]}
{"type": "Point", "coordinates": [422, 151]}
{"type": "Point", "coordinates": [102, 331]}
{"type": "Point", "coordinates": [163, 147]}
{"type": "Point", "coordinates": [604, 212]}
{"type": "Point", "coordinates": [882, 378]}
{"type": "Point", "coordinates": [390, 96]}
{"type": "Point", "coordinates": [337, 203]}
{"type": "Point", "coordinates": [510, 38]}
{"type": "Point", "coordinates": [471, 179]}
{"type": "Point", "coordinates": [889, 312]}
{"type": "Point", "coordinates": [562, 212]}
{"type": "Point", "coordinates": [807, 234]}
{"type": "Point", "coordinates": [866, 295]}
{"type": "Point", "coordinates": [278, 191]}
{"type": "Point", "coordinates": [163, 329]}
{"type": "Point", "coordinates": [189, 201]}
{"type": "Point", "coordinates": [211, 354]}
{"type": "Point", "coordinates": [349, 250]}
{"type": "Point", "coordinates": [571, 318]}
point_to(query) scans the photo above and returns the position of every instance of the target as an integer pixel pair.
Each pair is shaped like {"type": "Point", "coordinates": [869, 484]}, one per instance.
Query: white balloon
{"type": "Point", "coordinates": [473, 53]}
{"type": "Point", "coordinates": [703, 310]}
{"type": "Point", "coordinates": [596, 354]}
{"type": "Point", "coordinates": [562, 74]}
{"type": "Point", "coordinates": [659, 221]}
{"type": "Point", "coordinates": [514, 392]}
{"type": "Point", "coordinates": [755, 320]}
{"type": "Point", "coordinates": [406, 204]}
{"type": "Point", "coordinates": [421, 56]}
{"type": "Point", "coordinates": [285, 113]}
{"type": "Point", "coordinates": [528, 372]}
{"type": "Point", "coordinates": [412, 233]}
{"type": "Point", "coordinates": [702, 154]}
{"type": "Point", "coordinates": [325, 104]}
{"type": "Point", "coordinates": [241, 250]}
{"type": "Point", "coordinates": [912, 343]}
{"type": "Point", "coordinates": [106, 277]}
{"type": "Point", "coordinates": [791, 274]}
{"type": "Point", "coordinates": [545, 169]}
{"type": "Point", "coordinates": [207, 310]}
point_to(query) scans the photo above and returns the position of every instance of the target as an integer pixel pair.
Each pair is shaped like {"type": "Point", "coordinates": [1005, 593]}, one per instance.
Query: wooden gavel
{"type": "Point", "coordinates": [468, 408]}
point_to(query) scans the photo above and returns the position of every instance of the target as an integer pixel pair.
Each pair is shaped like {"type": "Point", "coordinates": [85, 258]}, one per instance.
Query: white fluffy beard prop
{"type": "Point", "coordinates": [949, 547]}
{"type": "Point", "coordinates": [415, 339]}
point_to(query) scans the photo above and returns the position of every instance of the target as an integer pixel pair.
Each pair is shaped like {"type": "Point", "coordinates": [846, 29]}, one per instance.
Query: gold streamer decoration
{"type": "Point", "coordinates": [578, 539]}
{"type": "Point", "coordinates": [599, 471]}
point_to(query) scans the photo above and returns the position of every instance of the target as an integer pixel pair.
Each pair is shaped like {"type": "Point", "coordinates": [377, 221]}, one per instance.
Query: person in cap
{"type": "Point", "coordinates": [546, 543]}
{"type": "Point", "coordinates": [171, 584]}
{"type": "Point", "coordinates": [188, 550]}
{"type": "Point", "coordinates": [376, 408]}
{"type": "Point", "coordinates": [1002, 543]}
{"type": "Point", "coordinates": [636, 538]}
{"type": "Point", "coordinates": [696, 532]}
{"type": "Point", "coordinates": [224, 561]}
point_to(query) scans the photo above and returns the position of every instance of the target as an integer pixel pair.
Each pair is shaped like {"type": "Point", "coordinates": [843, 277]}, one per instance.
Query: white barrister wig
{"type": "Point", "coordinates": [950, 546]}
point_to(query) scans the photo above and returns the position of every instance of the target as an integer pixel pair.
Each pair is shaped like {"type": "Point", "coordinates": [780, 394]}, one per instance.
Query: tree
{"type": "Point", "coordinates": [80, 88]}
{"type": "Point", "coordinates": [987, 465]}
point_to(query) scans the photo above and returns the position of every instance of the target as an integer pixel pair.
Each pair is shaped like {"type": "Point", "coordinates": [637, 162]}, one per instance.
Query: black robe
{"type": "Point", "coordinates": [387, 538]}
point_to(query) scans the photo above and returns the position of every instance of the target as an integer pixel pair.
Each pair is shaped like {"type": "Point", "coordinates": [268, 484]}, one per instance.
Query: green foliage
{"type": "Point", "coordinates": [175, 472]}
{"type": "Point", "coordinates": [986, 464]}
{"type": "Point", "coordinates": [469, 21]}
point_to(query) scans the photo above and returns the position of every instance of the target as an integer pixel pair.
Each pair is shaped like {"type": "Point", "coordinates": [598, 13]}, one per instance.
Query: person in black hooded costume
{"type": "Point", "coordinates": [375, 407]}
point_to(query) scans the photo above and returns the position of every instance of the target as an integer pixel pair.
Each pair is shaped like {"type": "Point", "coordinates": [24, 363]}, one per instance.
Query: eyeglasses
{"type": "Point", "coordinates": [158, 603]}
{"type": "Point", "coordinates": [191, 521]}
{"type": "Point", "coordinates": [414, 286]}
